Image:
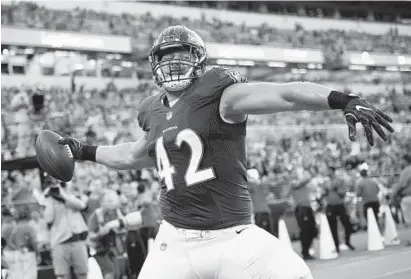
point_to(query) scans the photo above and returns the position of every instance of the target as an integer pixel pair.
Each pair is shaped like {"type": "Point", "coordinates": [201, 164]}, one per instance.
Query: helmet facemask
{"type": "Point", "coordinates": [176, 74]}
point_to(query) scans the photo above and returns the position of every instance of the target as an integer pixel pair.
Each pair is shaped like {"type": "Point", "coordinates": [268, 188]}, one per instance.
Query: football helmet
{"type": "Point", "coordinates": [177, 74]}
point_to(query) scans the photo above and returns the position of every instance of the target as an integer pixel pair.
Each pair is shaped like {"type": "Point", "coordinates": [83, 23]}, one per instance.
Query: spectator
{"type": "Point", "coordinates": [259, 193]}
{"type": "Point", "coordinates": [368, 189]}
{"type": "Point", "coordinates": [22, 191]}
{"type": "Point", "coordinates": [334, 195]}
{"type": "Point", "coordinates": [138, 237]}
{"type": "Point", "coordinates": [68, 231]}
{"type": "Point", "coordinates": [20, 106]}
{"type": "Point", "coordinates": [402, 190]}
{"type": "Point", "coordinates": [21, 247]}
{"type": "Point", "coordinates": [103, 239]}
{"type": "Point", "coordinates": [43, 237]}
{"type": "Point", "coordinates": [304, 212]}
{"type": "Point", "coordinates": [94, 192]}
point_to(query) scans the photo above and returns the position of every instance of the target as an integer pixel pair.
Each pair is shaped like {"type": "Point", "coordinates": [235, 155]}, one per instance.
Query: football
{"type": "Point", "coordinates": [54, 158]}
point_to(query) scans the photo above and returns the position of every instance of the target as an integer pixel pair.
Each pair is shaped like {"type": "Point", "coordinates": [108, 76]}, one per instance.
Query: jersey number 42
{"type": "Point", "coordinates": [193, 175]}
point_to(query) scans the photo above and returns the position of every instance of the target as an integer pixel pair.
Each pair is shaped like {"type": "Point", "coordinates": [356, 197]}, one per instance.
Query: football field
{"type": "Point", "coordinates": [393, 262]}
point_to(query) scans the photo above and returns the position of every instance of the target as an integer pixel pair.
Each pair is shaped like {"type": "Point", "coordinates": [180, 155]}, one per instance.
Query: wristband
{"type": "Point", "coordinates": [338, 100]}
{"type": "Point", "coordinates": [89, 153]}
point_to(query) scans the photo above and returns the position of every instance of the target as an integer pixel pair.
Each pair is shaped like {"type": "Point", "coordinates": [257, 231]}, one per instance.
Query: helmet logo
{"type": "Point", "coordinates": [170, 39]}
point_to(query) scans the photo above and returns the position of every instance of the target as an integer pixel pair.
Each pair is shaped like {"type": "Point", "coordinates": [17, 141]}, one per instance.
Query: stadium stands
{"type": "Point", "coordinates": [108, 114]}
{"type": "Point", "coordinates": [33, 15]}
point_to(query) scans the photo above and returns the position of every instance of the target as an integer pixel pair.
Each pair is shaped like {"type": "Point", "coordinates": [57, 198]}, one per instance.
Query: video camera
{"type": "Point", "coordinates": [38, 102]}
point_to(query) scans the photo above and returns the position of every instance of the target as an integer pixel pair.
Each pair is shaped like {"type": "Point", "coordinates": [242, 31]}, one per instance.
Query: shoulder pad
{"type": "Point", "coordinates": [213, 82]}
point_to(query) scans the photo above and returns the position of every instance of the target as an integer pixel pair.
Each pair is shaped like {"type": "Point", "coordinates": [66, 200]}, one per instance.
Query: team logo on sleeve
{"type": "Point", "coordinates": [235, 75]}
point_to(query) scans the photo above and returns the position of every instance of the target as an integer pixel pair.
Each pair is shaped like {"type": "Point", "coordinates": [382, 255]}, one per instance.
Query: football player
{"type": "Point", "coordinates": [195, 137]}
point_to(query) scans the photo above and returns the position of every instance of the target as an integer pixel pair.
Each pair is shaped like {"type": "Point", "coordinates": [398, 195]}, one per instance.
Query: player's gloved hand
{"type": "Point", "coordinates": [359, 110]}
{"type": "Point", "coordinates": [75, 145]}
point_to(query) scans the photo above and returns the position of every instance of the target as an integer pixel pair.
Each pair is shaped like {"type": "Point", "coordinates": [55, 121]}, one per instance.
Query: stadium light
{"type": "Point", "coordinates": [226, 62]}
{"type": "Point", "coordinates": [246, 63]}
{"type": "Point", "coordinates": [299, 71]}
{"type": "Point", "coordinates": [28, 51]}
{"type": "Point", "coordinates": [401, 60]}
{"type": "Point", "coordinates": [276, 64]}
{"type": "Point", "coordinates": [357, 67]}
{"type": "Point", "coordinates": [392, 68]}
{"type": "Point", "coordinates": [126, 64]}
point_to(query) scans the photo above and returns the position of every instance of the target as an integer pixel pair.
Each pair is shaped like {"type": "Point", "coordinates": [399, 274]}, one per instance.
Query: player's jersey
{"type": "Point", "coordinates": [200, 159]}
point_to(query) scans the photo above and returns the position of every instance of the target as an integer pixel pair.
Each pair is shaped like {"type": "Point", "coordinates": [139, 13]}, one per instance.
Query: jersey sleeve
{"type": "Point", "coordinates": [216, 80]}
{"type": "Point", "coordinates": [144, 114]}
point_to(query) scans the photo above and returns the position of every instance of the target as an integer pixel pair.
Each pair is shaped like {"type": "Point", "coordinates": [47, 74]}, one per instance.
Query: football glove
{"type": "Point", "coordinates": [75, 145]}
{"type": "Point", "coordinates": [359, 110]}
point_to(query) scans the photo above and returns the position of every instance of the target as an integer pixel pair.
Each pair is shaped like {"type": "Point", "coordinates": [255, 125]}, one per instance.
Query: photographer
{"type": "Point", "coordinates": [68, 230]}
{"type": "Point", "coordinates": [104, 239]}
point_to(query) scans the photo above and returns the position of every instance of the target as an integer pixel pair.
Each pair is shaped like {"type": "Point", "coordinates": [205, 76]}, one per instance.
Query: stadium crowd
{"type": "Point", "coordinates": [109, 116]}
{"type": "Point", "coordinates": [112, 114]}
{"type": "Point", "coordinates": [143, 28]}
{"type": "Point", "coordinates": [112, 118]}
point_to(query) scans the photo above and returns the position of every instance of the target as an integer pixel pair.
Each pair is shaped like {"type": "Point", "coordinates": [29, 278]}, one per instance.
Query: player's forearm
{"type": "Point", "coordinates": [116, 156]}
{"type": "Point", "coordinates": [266, 97]}
{"type": "Point", "coordinates": [122, 157]}
{"type": "Point", "coordinates": [306, 95]}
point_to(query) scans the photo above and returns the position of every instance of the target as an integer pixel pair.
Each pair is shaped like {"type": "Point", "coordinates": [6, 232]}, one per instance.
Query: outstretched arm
{"type": "Point", "coordinates": [266, 97]}
{"type": "Point", "coordinates": [124, 156]}
{"type": "Point", "coordinates": [130, 155]}
{"type": "Point", "coordinates": [241, 99]}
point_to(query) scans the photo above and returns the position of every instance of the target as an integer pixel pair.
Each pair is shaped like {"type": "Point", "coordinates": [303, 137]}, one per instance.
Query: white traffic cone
{"type": "Point", "coordinates": [283, 233]}
{"type": "Point", "coordinates": [326, 243]}
{"type": "Point", "coordinates": [390, 230]}
{"type": "Point", "coordinates": [94, 270]}
{"type": "Point", "coordinates": [375, 241]}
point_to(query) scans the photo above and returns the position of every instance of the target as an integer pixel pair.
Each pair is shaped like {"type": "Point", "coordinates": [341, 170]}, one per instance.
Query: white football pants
{"type": "Point", "coordinates": [241, 252]}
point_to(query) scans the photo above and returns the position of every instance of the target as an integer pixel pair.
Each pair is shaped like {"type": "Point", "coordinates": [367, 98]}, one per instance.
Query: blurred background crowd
{"type": "Point", "coordinates": [145, 27]}
{"type": "Point", "coordinates": [94, 94]}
